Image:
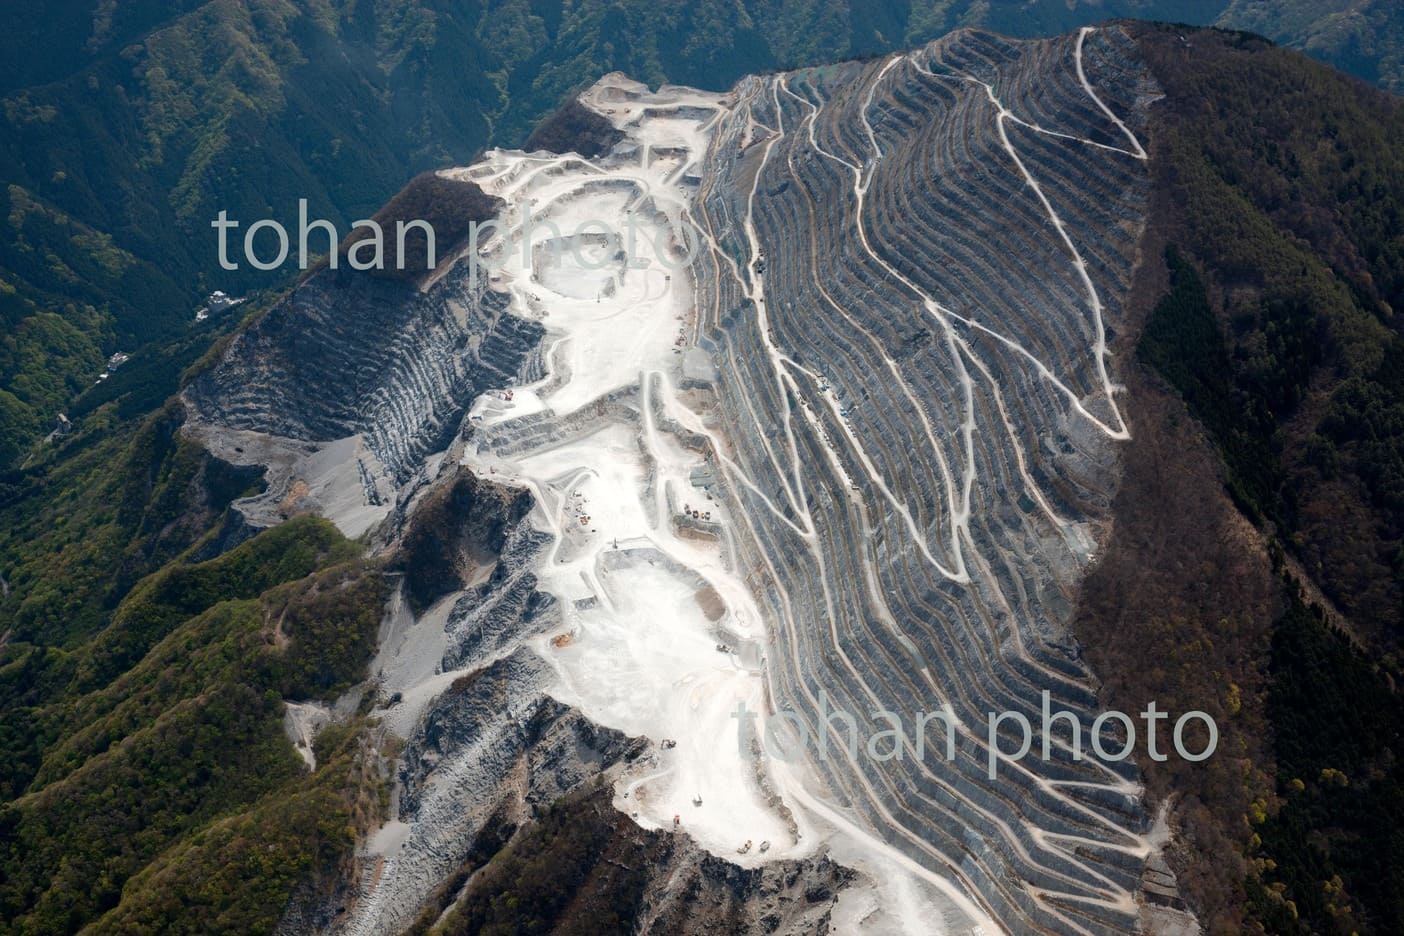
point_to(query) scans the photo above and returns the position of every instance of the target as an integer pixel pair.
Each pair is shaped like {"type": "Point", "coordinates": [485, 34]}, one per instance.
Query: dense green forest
{"type": "Point", "coordinates": [570, 871]}
{"type": "Point", "coordinates": [1279, 195]}
{"type": "Point", "coordinates": [146, 779]}
{"type": "Point", "coordinates": [126, 128]}
{"type": "Point", "coordinates": [1293, 208]}
{"type": "Point", "coordinates": [144, 767]}
{"type": "Point", "coordinates": [452, 209]}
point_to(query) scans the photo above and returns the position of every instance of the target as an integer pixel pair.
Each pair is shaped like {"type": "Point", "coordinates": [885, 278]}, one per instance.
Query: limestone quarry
{"type": "Point", "coordinates": [806, 387]}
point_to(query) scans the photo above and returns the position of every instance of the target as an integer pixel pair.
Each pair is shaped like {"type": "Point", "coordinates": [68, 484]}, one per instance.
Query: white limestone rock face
{"type": "Point", "coordinates": [809, 386]}
{"type": "Point", "coordinates": [918, 262]}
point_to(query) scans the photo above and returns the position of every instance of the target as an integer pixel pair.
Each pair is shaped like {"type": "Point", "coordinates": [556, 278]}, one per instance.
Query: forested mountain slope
{"type": "Point", "coordinates": [127, 127]}
{"type": "Point", "coordinates": [1257, 555]}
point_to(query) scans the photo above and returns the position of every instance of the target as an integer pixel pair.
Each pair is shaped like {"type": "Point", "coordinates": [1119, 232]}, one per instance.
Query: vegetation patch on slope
{"type": "Point", "coordinates": [144, 765]}
{"type": "Point", "coordinates": [577, 869]}
{"type": "Point", "coordinates": [458, 530]}
{"type": "Point", "coordinates": [1278, 189]}
{"type": "Point", "coordinates": [574, 128]}
{"type": "Point", "coordinates": [451, 208]}
{"type": "Point", "coordinates": [162, 747]}
{"type": "Point", "coordinates": [1288, 195]}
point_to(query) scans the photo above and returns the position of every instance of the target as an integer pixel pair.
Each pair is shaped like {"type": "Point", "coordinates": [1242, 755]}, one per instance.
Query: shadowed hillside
{"type": "Point", "coordinates": [1256, 562]}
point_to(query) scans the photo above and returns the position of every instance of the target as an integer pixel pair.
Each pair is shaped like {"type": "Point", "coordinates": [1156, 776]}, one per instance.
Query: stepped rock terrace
{"type": "Point", "coordinates": [859, 437]}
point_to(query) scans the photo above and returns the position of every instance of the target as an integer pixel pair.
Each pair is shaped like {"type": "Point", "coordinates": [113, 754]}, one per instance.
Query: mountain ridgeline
{"type": "Point", "coordinates": [164, 597]}
{"type": "Point", "coordinates": [127, 128]}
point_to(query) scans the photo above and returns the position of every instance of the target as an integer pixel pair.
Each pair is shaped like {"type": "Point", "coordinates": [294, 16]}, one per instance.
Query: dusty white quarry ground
{"type": "Point", "coordinates": [638, 650]}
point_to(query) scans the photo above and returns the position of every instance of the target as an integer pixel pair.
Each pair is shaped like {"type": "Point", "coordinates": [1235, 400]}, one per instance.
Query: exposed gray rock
{"type": "Point", "coordinates": [351, 355]}
{"type": "Point", "coordinates": [941, 243]}
{"type": "Point", "coordinates": [908, 246]}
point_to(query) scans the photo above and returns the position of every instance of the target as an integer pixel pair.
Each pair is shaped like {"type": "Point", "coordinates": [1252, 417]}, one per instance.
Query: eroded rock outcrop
{"type": "Point", "coordinates": [350, 355]}
{"type": "Point", "coordinates": [456, 536]}
{"type": "Point", "coordinates": [920, 261]}
{"type": "Point", "coordinates": [887, 375]}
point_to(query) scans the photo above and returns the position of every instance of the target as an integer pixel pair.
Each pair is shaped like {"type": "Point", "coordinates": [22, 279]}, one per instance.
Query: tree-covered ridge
{"type": "Point", "coordinates": [570, 872]}
{"type": "Point", "coordinates": [452, 208]}
{"type": "Point", "coordinates": [125, 128]}
{"type": "Point", "coordinates": [110, 504]}
{"type": "Point", "coordinates": [1289, 195]}
{"type": "Point", "coordinates": [146, 780]}
{"type": "Point", "coordinates": [238, 875]}
{"type": "Point", "coordinates": [1279, 185]}
{"type": "Point", "coordinates": [574, 128]}
{"type": "Point", "coordinates": [153, 756]}
{"type": "Point", "coordinates": [1360, 37]}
